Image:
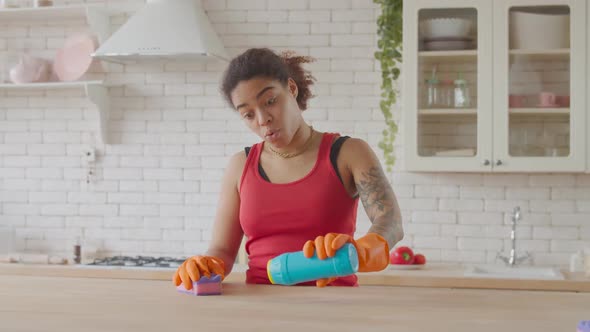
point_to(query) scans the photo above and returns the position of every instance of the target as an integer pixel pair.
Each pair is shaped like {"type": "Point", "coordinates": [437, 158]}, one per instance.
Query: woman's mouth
{"type": "Point", "coordinates": [272, 135]}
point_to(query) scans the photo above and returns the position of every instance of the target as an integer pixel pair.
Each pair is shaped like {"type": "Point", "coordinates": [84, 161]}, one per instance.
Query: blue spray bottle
{"type": "Point", "coordinates": [294, 268]}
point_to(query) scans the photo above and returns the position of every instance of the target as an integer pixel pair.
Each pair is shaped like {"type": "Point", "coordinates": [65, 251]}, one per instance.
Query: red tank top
{"type": "Point", "coordinates": [280, 218]}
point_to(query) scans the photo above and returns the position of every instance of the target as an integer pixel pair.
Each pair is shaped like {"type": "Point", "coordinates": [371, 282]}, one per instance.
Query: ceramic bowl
{"type": "Point", "coordinates": [445, 27]}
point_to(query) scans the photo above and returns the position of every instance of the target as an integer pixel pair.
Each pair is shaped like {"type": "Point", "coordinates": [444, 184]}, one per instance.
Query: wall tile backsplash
{"type": "Point", "coordinates": [154, 189]}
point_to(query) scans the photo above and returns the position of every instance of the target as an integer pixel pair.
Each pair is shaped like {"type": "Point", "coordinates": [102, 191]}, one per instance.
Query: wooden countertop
{"type": "Point", "coordinates": [37, 303]}
{"type": "Point", "coordinates": [434, 275]}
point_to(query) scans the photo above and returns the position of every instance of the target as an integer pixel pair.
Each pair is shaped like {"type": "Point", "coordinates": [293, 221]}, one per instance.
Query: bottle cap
{"type": "Point", "coordinates": [272, 268]}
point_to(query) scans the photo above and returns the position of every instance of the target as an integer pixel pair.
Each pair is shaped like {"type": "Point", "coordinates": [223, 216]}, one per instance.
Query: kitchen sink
{"type": "Point", "coordinates": [518, 272]}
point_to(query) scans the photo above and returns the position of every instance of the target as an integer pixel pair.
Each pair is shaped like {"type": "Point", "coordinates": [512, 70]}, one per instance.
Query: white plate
{"type": "Point", "coordinates": [447, 45]}
{"type": "Point", "coordinates": [406, 267]}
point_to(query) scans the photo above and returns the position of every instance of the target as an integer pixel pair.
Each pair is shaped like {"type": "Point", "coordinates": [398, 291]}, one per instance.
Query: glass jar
{"type": "Point", "coordinates": [432, 93]}
{"type": "Point", "coordinates": [461, 95]}
{"type": "Point", "coordinates": [447, 99]}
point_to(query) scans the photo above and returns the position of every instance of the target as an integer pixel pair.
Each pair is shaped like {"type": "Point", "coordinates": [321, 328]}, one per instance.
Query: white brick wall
{"type": "Point", "coordinates": [156, 187]}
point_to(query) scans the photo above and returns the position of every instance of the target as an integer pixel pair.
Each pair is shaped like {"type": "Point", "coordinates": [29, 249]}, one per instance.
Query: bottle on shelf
{"type": "Point", "coordinates": [447, 99]}
{"type": "Point", "coordinates": [432, 91]}
{"type": "Point", "coordinates": [462, 98]}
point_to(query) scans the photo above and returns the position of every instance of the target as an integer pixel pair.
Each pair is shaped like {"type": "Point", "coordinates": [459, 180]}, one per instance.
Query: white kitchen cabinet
{"type": "Point", "coordinates": [494, 86]}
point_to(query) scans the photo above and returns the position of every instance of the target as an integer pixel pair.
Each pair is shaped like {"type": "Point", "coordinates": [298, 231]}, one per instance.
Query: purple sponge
{"type": "Point", "coordinates": [584, 326]}
{"type": "Point", "coordinates": [205, 286]}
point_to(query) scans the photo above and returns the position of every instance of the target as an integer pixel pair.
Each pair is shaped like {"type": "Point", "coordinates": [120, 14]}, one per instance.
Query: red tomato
{"type": "Point", "coordinates": [419, 259]}
{"type": "Point", "coordinates": [402, 255]}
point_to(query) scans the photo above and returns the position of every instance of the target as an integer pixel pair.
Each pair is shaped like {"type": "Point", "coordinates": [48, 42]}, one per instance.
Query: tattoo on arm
{"type": "Point", "coordinates": [380, 204]}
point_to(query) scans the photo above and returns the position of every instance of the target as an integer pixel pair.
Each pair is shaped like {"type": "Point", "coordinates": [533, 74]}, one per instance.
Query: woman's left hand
{"type": "Point", "coordinates": [372, 250]}
{"type": "Point", "coordinates": [325, 246]}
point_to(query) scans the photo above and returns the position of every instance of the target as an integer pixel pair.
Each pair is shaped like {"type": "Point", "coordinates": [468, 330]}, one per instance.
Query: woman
{"type": "Point", "coordinates": [296, 190]}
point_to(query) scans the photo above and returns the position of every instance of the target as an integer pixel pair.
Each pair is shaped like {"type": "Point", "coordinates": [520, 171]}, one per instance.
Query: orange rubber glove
{"type": "Point", "coordinates": [372, 249]}
{"type": "Point", "coordinates": [195, 267]}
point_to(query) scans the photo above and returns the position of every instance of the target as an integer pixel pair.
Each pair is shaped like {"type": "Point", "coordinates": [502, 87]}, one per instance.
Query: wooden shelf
{"type": "Point", "coordinates": [448, 111]}
{"type": "Point", "coordinates": [96, 17]}
{"type": "Point", "coordinates": [562, 53]}
{"type": "Point", "coordinates": [473, 111]}
{"type": "Point", "coordinates": [95, 91]}
{"type": "Point", "coordinates": [540, 111]}
{"type": "Point", "coordinates": [49, 85]}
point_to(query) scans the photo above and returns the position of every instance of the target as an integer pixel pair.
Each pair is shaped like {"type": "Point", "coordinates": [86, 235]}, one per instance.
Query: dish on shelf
{"type": "Point", "coordinates": [74, 58]}
{"type": "Point", "coordinates": [445, 27]}
{"type": "Point", "coordinates": [539, 29]}
{"type": "Point", "coordinates": [448, 44]}
{"type": "Point", "coordinates": [30, 69]}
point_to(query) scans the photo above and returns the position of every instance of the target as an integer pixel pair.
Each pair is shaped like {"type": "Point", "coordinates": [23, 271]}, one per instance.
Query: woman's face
{"type": "Point", "coordinates": [268, 108]}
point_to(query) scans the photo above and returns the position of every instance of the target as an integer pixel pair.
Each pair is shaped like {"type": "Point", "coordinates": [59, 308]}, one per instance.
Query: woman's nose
{"type": "Point", "coordinates": [264, 118]}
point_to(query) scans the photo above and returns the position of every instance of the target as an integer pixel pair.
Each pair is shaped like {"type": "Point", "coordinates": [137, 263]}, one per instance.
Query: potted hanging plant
{"type": "Point", "coordinates": [389, 32]}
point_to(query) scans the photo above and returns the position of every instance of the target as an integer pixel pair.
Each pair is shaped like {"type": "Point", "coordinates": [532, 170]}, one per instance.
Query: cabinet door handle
{"type": "Point", "coordinates": [486, 162]}
{"type": "Point", "coordinates": [498, 162]}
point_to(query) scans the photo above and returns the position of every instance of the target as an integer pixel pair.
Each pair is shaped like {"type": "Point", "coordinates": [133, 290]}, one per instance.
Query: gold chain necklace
{"type": "Point", "coordinates": [303, 149]}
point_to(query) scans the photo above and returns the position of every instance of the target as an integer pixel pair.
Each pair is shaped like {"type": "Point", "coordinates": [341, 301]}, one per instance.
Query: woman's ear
{"type": "Point", "coordinates": [292, 87]}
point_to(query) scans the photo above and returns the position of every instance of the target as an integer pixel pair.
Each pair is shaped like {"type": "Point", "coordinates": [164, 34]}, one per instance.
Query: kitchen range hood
{"type": "Point", "coordinates": [164, 29]}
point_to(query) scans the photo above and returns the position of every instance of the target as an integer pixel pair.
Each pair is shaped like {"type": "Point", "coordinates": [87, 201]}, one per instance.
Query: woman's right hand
{"type": "Point", "coordinates": [195, 267]}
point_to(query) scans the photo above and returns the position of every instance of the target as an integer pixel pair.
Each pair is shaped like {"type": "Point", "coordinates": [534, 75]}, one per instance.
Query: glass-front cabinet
{"type": "Point", "coordinates": [494, 85]}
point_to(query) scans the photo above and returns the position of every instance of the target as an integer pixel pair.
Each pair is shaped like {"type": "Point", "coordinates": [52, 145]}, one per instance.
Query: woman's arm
{"type": "Point", "coordinates": [374, 190]}
{"type": "Point", "coordinates": [227, 231]}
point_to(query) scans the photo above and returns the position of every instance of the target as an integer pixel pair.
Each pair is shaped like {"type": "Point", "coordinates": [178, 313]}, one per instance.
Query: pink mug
{"type": "Point", "coordinates": [563, 101]}
{"type": "Point", "coordinates": [547, 99]}
{"type": "Point", "coordinates": [516, 100]}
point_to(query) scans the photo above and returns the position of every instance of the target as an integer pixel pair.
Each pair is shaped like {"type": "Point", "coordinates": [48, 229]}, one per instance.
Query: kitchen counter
{"type": "Point", "coordinates": [433, 275]}
{"type": "Point", "coordinates": [42, 303]}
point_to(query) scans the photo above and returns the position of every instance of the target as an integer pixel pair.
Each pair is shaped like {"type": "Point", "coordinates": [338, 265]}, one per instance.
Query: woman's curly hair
{"type": "Point", "coordinates": [263, 62]}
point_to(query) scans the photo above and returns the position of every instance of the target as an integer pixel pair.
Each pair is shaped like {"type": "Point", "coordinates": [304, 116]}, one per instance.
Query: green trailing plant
{"type": "Point", "coordinates": [389, 31]}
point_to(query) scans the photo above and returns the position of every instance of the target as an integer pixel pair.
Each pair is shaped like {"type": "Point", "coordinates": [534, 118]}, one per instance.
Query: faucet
{"type": "Point", "coordinates": [512, 260]}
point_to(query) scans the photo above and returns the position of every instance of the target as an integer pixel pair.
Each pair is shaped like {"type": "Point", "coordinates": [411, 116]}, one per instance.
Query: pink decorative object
{"type": "Point", "coordinates": [30, 70]}
{"type": "Point", "coordinates": [516, 101]}
{"type": "Point", "coordinates": [74, 58]}
{"type": "Point", "coordinates": [205, 286]}
{"type": "Point", "coordinates": [547, 99]}
{"type": "Point", "coordinates": [563, 101]}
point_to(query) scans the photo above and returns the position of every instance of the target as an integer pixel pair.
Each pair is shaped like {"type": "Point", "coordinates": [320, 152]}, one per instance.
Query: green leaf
{"type": "Point", "coordinates": [389, 30]}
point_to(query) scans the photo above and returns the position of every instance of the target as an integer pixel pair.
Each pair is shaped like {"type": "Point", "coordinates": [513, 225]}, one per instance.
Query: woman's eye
{"type": "Point", "coordinates": [271, 101]}
{"type": "Point", "coordinates": [248, 116]}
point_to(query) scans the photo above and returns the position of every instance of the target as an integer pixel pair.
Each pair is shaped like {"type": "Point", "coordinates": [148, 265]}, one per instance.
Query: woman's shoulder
{"type": "Point", "coordinates": [352, 145]}
{"type": "Point", "coordinates": [236, 165]}
{"type": "Point", "coordinates": [355, 150]}
{"type": "Point", "coordinates": [238, 159]}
